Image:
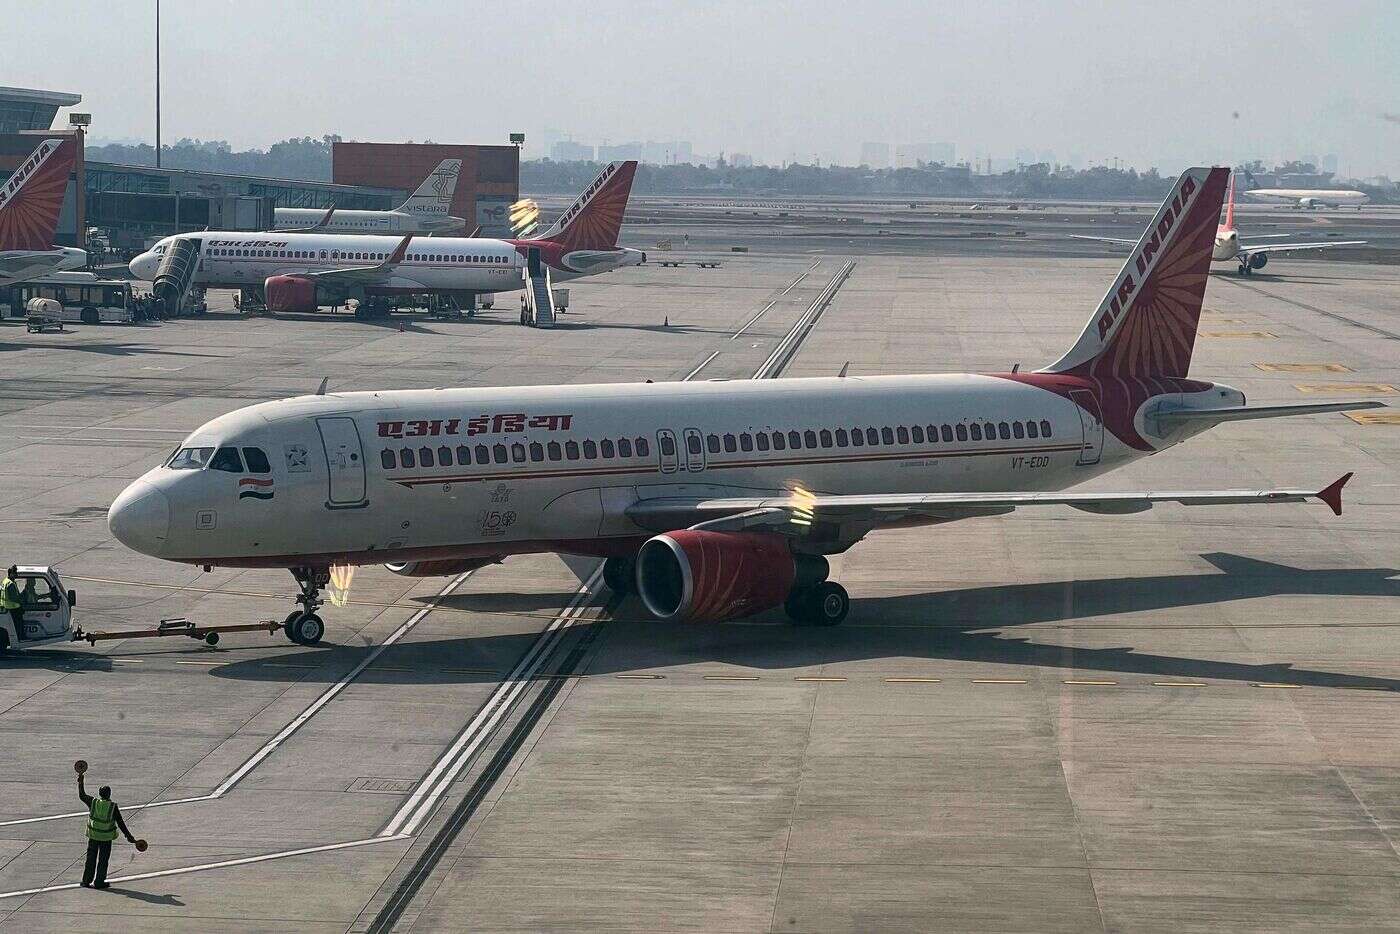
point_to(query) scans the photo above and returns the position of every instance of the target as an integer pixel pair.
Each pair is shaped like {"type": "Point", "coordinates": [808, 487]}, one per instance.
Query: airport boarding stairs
{"type": "Point", "coordinates": [175, 274]}
{"type": "Point", "coordinates": [539, 308]}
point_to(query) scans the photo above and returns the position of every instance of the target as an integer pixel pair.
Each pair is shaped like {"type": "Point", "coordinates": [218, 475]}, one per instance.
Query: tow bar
{"type": "Point", "coordinates": [177, 626]}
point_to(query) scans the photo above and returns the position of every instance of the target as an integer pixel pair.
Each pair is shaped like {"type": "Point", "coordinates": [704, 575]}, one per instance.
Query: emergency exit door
{"type": "Point", "coordinates": [345, 462]}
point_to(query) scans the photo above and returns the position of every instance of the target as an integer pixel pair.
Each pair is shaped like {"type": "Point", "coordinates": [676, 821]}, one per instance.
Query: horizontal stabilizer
{"type": "Point", "coordinates": [1245, 413]}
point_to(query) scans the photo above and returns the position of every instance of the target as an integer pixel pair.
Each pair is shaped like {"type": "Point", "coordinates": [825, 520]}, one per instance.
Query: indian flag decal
{"type": "Point", "coordinates": [254, 488]}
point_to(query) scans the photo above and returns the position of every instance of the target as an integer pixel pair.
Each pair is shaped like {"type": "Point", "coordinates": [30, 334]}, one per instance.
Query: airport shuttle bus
{"type": "Point", "coordinates": [84, 300]}
{"type": "Point", "coordinates": [710, 500]}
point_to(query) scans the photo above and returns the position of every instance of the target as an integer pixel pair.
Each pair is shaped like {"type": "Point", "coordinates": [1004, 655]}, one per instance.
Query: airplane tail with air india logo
{"type": "Point", "coordinates": [32, 197]}
{"type": "Point", "coordinates": [594, 221]}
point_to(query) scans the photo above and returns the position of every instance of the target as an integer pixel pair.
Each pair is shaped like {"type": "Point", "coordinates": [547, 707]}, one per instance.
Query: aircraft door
{"type": "Point", "coordinates": [694, 449]}
{"type": "Point", "coordinates": [345, 461]}
{"type": "Point", "coordinates": [666, 448]}
{"type": "Point", "coordinates": [1091, 422]}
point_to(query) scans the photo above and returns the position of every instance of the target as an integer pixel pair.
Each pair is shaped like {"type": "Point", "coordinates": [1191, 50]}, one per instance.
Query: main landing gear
{"type": "Point", "coordinates": [303, 626]}
{"type": "Point", "coordinates": [823, 604]}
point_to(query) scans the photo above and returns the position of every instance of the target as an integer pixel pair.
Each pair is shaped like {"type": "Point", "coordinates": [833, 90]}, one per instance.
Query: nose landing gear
{"type": "Point", "coordinates": [303, 626]}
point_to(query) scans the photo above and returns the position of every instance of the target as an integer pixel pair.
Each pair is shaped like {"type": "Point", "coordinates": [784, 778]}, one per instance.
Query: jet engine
{"type": "Point", "coordinates": [290, 293]}
{"type": "Point", "coordinates": [704, 577]}
{"type": "Point", "coordinates": [445, 567]}
{"type": "Point", "coordinates": [1258, 260]}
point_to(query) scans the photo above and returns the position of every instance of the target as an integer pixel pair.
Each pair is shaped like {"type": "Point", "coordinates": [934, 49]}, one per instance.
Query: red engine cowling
{"type": "Point", "coordinates": [706, 577]}
{"type": "Point", "coordinates": [443, 568]}
{"type": "Point", "coordinates": [290, 293]}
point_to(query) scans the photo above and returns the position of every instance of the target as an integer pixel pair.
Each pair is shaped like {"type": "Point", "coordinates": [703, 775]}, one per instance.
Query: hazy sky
{"type": "Point", "coordinates": [1150, 83]}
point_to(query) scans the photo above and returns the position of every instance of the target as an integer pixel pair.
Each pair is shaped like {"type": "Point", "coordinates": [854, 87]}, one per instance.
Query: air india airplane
{"type": "Point", "coordinates": [302, 271]}
{"type": "Point", "coordinates": [425, 212]}
{"type": "Point", "coordinates": [30, 202]}
{"type": "Point", "coordinates": [710, 500]}
{"type": "Point", "coordinates": [1250, 256]}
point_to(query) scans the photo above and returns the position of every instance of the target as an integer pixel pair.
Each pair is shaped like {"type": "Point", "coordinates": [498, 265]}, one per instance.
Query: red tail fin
{"type": "Point", "coordinates": [33, 196]}
{"type": "Point", "coordinates": [595, 219]}
{"type": "Point", "coordinates": [1230, 205]}
{"type": "Point", "coordinates": [1146, 324]}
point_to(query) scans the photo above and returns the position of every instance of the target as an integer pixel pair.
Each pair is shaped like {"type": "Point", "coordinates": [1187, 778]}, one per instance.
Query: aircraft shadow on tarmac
{"type": "Point", "coordinates": [950, 625]}
{"type": "Point", "coordinates": [112, 350]}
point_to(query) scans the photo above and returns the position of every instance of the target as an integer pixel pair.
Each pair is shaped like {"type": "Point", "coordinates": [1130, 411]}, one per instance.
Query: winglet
{"type": "Point", "coordinates": [326, 219]}
{"type": "Point", "coordinates": [1332, 495]}
{"type": "Point", "coordinates": [400, 251]}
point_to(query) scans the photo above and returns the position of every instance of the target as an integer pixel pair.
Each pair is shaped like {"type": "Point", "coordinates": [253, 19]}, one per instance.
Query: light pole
{"type": "Point", "coordinates": [157, 83]}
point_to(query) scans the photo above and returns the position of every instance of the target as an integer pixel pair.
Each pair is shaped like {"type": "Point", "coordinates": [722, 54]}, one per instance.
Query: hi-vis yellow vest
{"type": "Point", "coordinates": [7, 602]}
{"type": "Point", "coordinates": [102, 823]}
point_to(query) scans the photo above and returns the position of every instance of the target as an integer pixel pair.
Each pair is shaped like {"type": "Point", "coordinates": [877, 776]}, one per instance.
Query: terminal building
{"type": "Point", "coordinates": [130, 204]}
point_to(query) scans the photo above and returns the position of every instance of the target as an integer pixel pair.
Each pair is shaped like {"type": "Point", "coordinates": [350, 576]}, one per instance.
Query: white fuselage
{"type": "Point", "coordinates": [422, 474]}
{"type": "Point", "coordinates": [366, 222]}
{"type": "Point", "coordinates": [1310, 197]}
{"type": "Point", "coordinates": [23, 265]}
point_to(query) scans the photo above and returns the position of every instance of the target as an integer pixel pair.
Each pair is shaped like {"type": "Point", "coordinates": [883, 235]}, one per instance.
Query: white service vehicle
{"type": "Point", "coordinates": [47, 610]}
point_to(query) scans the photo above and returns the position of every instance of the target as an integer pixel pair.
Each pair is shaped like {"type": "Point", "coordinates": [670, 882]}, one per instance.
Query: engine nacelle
{"type": "Point", "coordinates": [290, 293]}
{"type": "Point", "coordinates": [445, 567]}
{"type": "Point", "coordinates": [1258, 260]}
{"type": "Point", "coordinates": [699, 576]}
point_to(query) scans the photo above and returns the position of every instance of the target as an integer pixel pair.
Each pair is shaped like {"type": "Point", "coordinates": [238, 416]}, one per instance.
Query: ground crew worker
{"type": "Point", "coordinates": [104, 820]}
{"type": "Point", "coordinates": [10, 600]}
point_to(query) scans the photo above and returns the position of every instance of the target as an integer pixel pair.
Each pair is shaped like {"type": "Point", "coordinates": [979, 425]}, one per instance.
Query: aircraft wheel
{"type": "Point", "coordinates": [829, 604]}
{"type": "Point", "coordinates": [287, 628]}
{"type": "Point", "coordinates": [1244, 270]}
{"type": "Point", "coordinates": [620, 575]}
{"type": "Point", "coordinates": [306, 629]}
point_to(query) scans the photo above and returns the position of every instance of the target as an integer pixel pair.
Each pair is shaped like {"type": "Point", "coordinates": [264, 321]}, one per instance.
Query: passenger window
{"type": "Point", "coordinates": [761, 439]}
{"type": "Point", "coordinates": [794, 440]}
{"type": "Point", "coordinates": [692, 444]}
{"type": "Point", "coordinates": [947, 433]}
{"type": "Point", "coordinates": [571, 450]}
{"type": "Point", "coordinates": [1044, 428]}
{"type": "Point", "coordinates": [444, 456]}
{"type": "Point", "coordinates": [779, 441]}
{"type": "Point", "coordinates": [809, 438]}
{"type": "Point", "coordinates": [227, 459]}
{"type": "Point", "coordinates": [499, 454]}
{"type": "Point", "coordinates": [536, 451]}
{"type": "Point", "coordinates": [406, 458]}
{"type": "Point", "coordinates": [517, 453]}
{"type": "Point", "coordinates": [606, 447]}
{"type": "Point", "coordinates": [887, 435]}
{"type": "Point", "coordinates": [990, 430]}
{"type": "Point", "coordinates": [872, 436]}
{"type": "Point", "coordinates": [902, 434]}
{"type": "Point", "coordinates": [961, 431]}
{"type": "Point", "coordinates": [386, 459]}
{"type": "Point", "coordinates": [857, 437]}
{"type": "Point", "coordinates": [190, 459]}
{"type": "Point", "coordinates": [745, 441]}
{"type": "Point", "coordinates": [425, 456]}
{"type": "Point", "coordinates": [257, 460]}
{"type": "Point", "coordinates": [643, 449]}
{"type": "Point", "coordinates": [916, 434]}
{"type": "Point", "coordinates": [1018, 430]}
{"type": "Point", "coordinates": [1032, 430]}
{"type": "Point", "coordinates": [624, 448]}
{"type": "Point", "coordinates": [825, 436]}
{"type": "Point", "coordinates": [555, 452]}
{"type": "Point", "coordinates": [483, 454]}
{"type": "Point", "coordinates": [976, 431]}
{"type": "Point", "coordinates": [841, 439]}
{"type": "Point", "coordinates": [668, 446]}
{"type": "Point", "coordinates": [712, 443]}
{"type": "Point", "coordinates": [731, 443]}
{"type": "Point", "coordinates": [590, 450]}
{"type": "Point", "coordinates": [1004, 430]}
{"type": "Point", "coordinates": [464, 455]}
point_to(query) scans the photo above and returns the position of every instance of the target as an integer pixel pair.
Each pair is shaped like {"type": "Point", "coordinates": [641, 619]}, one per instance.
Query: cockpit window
{"type": "Point", "coordinates": [257, 460]}
{"type": "Point", "coordinates": [227, 459]}
{"type": "Point", "coordinates": [190, 459]}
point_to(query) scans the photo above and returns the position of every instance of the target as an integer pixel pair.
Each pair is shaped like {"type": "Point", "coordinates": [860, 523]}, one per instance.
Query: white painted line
{"type": "Point", "coordinates": [163, 431]}
{"type": "Point", "coordinates": [749, 323]}
{"type": "Point", "coordinates": [252, 762]}
{"type": "Point", "coordinates": [201, 867]}
{"type": "Point", "coordinates": [704, 363]}
{"type": "Point", "coordinates": [444, 772]}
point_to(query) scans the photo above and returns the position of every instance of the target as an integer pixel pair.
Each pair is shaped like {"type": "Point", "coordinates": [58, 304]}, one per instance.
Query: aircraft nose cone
{"type": "Point", "coordinates": [143, 266]}
{"type": "Point", "coordinates": [140, 518]}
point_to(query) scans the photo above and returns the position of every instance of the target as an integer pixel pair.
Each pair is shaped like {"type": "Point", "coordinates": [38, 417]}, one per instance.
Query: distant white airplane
{"type": "Point", "coordinates": [1228, 246]}
{"type": "Point", "coordinates": [30, 202]}
{"type": "Point", "coordinates": [427, 211]}
{"type": "Point", "coordinates": [1308, 198]}
{"type": "Point", "coordinates": [711, 500]}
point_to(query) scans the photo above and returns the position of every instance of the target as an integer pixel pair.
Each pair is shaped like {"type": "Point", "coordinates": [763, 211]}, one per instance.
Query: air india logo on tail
{"type": "Point", "coordinates": [1172, 212]}
{"type": "Point", "coordinates": [255, 488]}
{"type": "Point", "coordinates": [30, 200]}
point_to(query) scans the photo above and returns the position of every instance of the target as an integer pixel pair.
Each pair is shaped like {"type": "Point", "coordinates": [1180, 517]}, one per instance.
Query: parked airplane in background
{"type": "Point", "coordinates": [30, 202]}
{"type": "Point", "coordinates": [1308, 198]}
{"type": "Point", "coordinates": [425, 212]}
{"type": "Point", "coordinates": [302, 271]}
{"type": "Point", "coordinates": [1228, 246]}
{"type": "Point", "coordinates": [713, 500]}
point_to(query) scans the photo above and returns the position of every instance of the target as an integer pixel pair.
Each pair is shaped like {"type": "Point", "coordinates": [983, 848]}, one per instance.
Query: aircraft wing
{"type": "Point", "coordinates": [362, 273]}
{"type": "Point", "coordinates": [317, 227]}
{"type": "Point", "coordinates": [794, 513]}
{"type": "Point", "coordinates": [1291, 247]}
{"type": "Point", "coordinates": [1103, 239]}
